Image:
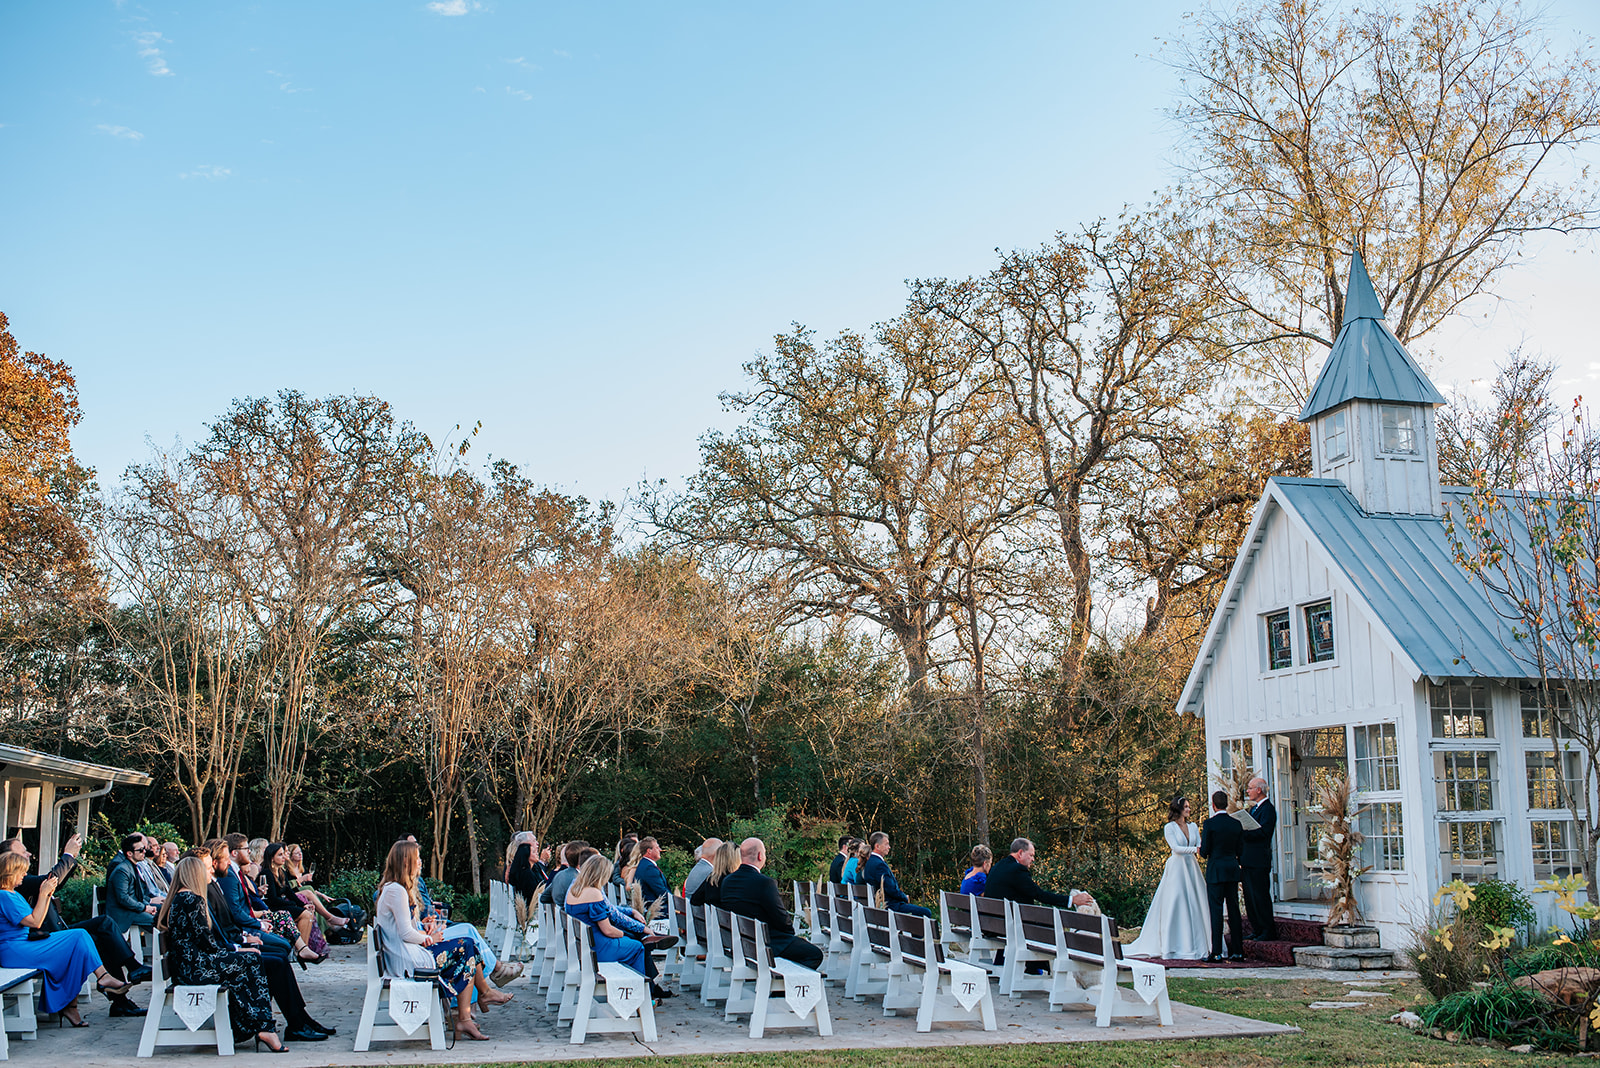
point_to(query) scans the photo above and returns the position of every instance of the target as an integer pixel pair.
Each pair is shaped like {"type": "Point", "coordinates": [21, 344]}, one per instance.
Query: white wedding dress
{"type": "Point", "coordinates": [1178, 925]}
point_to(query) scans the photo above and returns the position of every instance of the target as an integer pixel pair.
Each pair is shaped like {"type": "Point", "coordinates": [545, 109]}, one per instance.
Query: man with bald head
{"type": "Point", "coordinates": [748, 892]}
{"type": "Point", "coordinates": [702, 867]}
{"type": "Point", "coordinates": [1255, 862]}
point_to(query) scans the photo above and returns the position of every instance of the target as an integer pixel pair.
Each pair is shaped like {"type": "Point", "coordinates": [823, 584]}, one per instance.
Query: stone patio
{"type": "Point", "coordinates": [525, 1030]}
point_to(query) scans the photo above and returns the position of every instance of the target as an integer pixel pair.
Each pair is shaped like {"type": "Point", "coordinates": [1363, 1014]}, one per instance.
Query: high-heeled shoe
{"type": "Point", "coordinates": [120, 986]}
{"type": "Point", "coordinates": [281, 1047]}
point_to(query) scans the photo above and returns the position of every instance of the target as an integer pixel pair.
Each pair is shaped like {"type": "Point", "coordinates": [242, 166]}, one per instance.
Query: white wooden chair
{"type": "Point", "coordinates": [600, 986]}
{"type": "Point", "coordinates": [961, 925]}
{"type": "Point", "coordinates": [1088, 965]}
{"type": "Point", "coordinates": [501, 916]}
{"type": "Point", "coordinates": [719, 963]}
{"type": "Point", "coordinates": [694, 966]}
{"type": "Point", "coordinates": [767, 1001]}
{"type": "Point", "coordinates": [669, 961]}
{"type": "Point", "coordinates": [19, 1011]}
{"type": "Point", "coordinates": [869, 967]}
{"type": "Point", "coordinates": [552, 973]}
{"type": "Point", "coordinates": [921, 978]}
{"type": "Point", "coordinates": [379, 977]}
{"type": "Point", "coordinates": [572, 932]}
{"type": "Point", "coordinates": [1030, 941]}
{"type": "Point", "coordinates": [162, 1025]}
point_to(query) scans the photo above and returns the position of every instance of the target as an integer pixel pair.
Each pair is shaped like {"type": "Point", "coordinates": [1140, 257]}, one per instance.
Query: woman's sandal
{"type": "Point", "coordinates": [121, 987]}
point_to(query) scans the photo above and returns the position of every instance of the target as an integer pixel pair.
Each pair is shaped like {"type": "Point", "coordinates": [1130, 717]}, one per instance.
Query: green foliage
{"type": "Point", "coordinates": [1123, 886]}
{"type": "Point", "coordinates": [1504, 1013]}
{"type": "Point", "coordinates": [470, 908]}
{"type": "Point", "coordinates": [1501, 904]}
{"type": "Point", "coordinates": [74, 898]}
{"type": "Point", "coordinates": [675, 864]}
{"type": "Point", "coordinates": [161, 830]}
{"type": "Point", "coordinates": [357, 884]}
{"type": "Point", "coordinates": [1543, 958]}
{"type": "Point", "coordinates": [1450, 958]}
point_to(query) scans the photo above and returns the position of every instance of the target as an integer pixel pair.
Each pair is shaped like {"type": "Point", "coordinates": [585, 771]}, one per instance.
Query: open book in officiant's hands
{"type": "Point", "coordinates": [1247, 821]}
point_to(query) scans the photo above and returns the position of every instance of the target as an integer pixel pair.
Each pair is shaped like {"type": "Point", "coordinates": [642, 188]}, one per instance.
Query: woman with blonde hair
{"type": "Point", "coordinates": [617, 936]}
{"type": "Point", "coordinates": [66, 958]}
{"type": "Point", "coordinates": [201, 957]}
{"type": "Point", "coordinates": [723, 861]}
{"type": "Point", "coordinates": [411, 947]}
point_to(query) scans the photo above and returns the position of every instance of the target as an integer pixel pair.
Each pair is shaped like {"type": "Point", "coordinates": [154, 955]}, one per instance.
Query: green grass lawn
{"type": "Point", "coordinates": [1361, 1036]}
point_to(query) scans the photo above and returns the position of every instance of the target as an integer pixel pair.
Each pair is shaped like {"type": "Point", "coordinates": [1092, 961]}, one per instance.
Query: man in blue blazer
{"type": "Point", "coordinates": [880, 877]}
{"type": "Point", "coordinates": [652, 884]}
{"type": "Point", "coordinates": [239, 906]}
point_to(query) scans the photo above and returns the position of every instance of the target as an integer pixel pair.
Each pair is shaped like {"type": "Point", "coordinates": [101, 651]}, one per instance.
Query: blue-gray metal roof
{"type": "Point", "coordinates": [1367, 361]}
{"type": "Point", "coordinates": [1404, 569]}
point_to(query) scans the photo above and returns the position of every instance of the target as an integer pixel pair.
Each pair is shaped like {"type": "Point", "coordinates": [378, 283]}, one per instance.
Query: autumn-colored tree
{"type": "Point", "coordinates": [1501, 443]}
{"type": "Point", "coordinates": [44, 555]}
{"type": "Point", "coordinates": [1437, 141]}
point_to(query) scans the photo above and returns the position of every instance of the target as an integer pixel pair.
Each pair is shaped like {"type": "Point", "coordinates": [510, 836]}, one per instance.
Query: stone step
{"type": "Point", "coordinates": [1343, 960]}
{"type": "Point", "coordinates": [1352, 936]}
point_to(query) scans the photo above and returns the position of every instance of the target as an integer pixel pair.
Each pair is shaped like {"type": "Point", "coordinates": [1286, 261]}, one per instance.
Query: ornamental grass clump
{"type": "Point", "coordinates": [1338, 850]}
{"type": "Point", "coordinates": [1459, 949]}
{"type": "Point", "coordinates": [1504, 1013]}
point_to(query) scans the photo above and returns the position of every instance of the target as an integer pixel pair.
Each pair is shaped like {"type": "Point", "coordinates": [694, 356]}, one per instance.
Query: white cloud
{"type": "Point", "coordinates": [209, 171]}
{"type": "Point", "coordinates": [454, 7]}
{"type": "Point", "coordinates": [558, 52]}
{"type": "Point", "coordinates": [120, 131]}
{"type": "Point", "coordinates": [522, 61]}
{"type": "Point", "coordinates": [520, 94]}
{"type": "Point", "coordinates": [150, 53]}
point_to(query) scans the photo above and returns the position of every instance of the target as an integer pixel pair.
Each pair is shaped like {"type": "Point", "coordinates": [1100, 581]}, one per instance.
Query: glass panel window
{"type": "Point", "coordinates": [1377, 757]}
{"type": "Point", "coordinates": [1465, 780]}
{"type": "Point", "coordinates": [1546, 714]}
{"type": "Point", "coordinates": [1553, 779]}
{"type": "Point", "coordinates": [1236, 752]}
{"type": "Point", "coordinates": [1469, 850]}
{"type": "Point", "coordinates": [1398, 426]}
{"type": "Point", "coordinates": [1385, 846]}
{"type": "Point", "coordinates": [1460, 710]}
{"type": "Point", "coordinates": [1555, 850]}
{"type": "Point", "coordinates": [1280, 654]}
{"type": "Point", "coordinates": [1319, 632]}
{"type": "Point", "coordinates": [1335, 436]}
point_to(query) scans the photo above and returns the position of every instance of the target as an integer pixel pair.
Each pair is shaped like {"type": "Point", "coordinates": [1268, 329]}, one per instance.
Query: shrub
{"type": "Point", "coordinates": [675, 864]}
{"type": "Point", "coordinates": [73, 899]}
{"type": "Point", "coordinates": [359, 885]}
{"type": "Point", "coordinates": [1123, 886]}
{"type": "Point", "coordinates": [470, 908]}
{"type": "Point", "coordinates": [1545, 957]}
{"type": "Point", "coordinates": [1450, 958]}
{"type": "Point", "coordinates": [1504, 1013]}
{"type": "Point", "coordinates": [1501, 904]}
{"type": "Point", "coordinates": [793, 852]}
{"type": "Point", "coordinates": [163, 831]}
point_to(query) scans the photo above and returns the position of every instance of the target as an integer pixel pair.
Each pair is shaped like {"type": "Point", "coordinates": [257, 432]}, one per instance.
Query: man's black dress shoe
{"type": "Point", "coordinates": [1236, 956]}
{"type": "Point", "coordinates": [1214, 958]}
{"type": "Point", "coordinates": [318, 1027]}
{"type": "Point", "coordinates": [124, 1007]}
{"type": "Point", "coordinates": [141, 974]}
{"type": "Point", "coordinates": [304, 1034]}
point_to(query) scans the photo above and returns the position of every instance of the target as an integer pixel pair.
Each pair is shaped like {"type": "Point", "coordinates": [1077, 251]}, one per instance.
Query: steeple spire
{"type": "Point", "coordinates": [1360, 298]}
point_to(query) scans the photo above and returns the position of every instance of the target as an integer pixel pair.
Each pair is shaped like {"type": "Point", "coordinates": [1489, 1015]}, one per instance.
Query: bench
{"type": "Point", "coordinates": [869, 971]}
{"type": "Point", "coordinates": [611, 997]}
{"type": "Point", "coordinates": [693, 972]}
{"type": "Point", "coordinates": [774, 980]}
{"type": "Point", "coordinates": [164, 1027]}
{"type": "Point", "coordinates": [921, 978]}
{"type": "Point", "coordinates": [961, 920]}
{"type": "Point", "coordinates": [1088, 964]}
{"type": "Point", "coordinates": [19, 991]}
{"type": "Point", "coordinates": [136, 934]}
{"type": "Point", "coordinates": [379, 980]}
{"type": "Point", "coordinates": [718, 934]}
{"type": "Point", "coordinates": [1030, 939]}
{"type": "Point", "coordinates": [553, 975]}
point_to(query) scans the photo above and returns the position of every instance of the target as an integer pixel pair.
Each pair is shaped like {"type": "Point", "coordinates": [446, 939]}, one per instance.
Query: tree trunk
{"type": "Point", "coordinates": [472, 838]}
{"type": "Point", "coordinates": [745, 707]}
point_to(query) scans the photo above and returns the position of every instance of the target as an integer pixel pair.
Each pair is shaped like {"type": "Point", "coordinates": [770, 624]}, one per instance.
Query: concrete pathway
{"type": "Point", "coordinates": [525, 1030]}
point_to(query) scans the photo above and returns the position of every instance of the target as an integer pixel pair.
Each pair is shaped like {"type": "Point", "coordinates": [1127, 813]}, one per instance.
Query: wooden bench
{"type": "Point", "coordinates": [961, 921]}
{"type": "Point", "coordinates": [840, 954]}
{"type": "Point", "coordinates": [1087, 965]}
{"type": "Point", "coordinates": [611, 997]}
{"type": "Point", "coordinates": [19, 1011]}
{"type": "Point", "coordinates": [869, 972]}
{"type": "Point", "coordinates": [379, 980]}
{"type": "Point", "coordinates": [1030, 939]}
{"type": "Point", "coordinates": [763, 982]}
{"type": "Point", "coordinates": [921, 978]}
{"type": "Point", "coordinates": [693, 972]}
{"type": "Point", "coordinates": [555, 982]}
{"type": "Point", "coordinates": [669, 961]}
{"type": "Point", "coordinates": [163, 1026]}
{"type": "Point", "coordinates": [719, 962]}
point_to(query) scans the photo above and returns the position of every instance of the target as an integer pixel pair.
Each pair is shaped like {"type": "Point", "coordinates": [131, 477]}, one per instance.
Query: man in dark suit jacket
{"type": "Point", "coordinates": [281, 983]}
{"type": "Point", "coordinates": [114, 952]}
{"type": "Point", "coordinates": [652, 884]}
{"type": "Point", "coordinates": [836, 866]}
{"type": "Point", "coordinates": [1220, 842]}
{"type": "Point", "coordinates": [227, 881]}
{"type": "Point", "coordinates": [749, 893]}
{"type": "Point", "coordinates": [880, 877]}
{"type": "Point", "coordinates": [1256, 861]}
{"type": "Point", "coordinates": [127, 901]}
{"type": "Point", "coordinates": [1011, 879]}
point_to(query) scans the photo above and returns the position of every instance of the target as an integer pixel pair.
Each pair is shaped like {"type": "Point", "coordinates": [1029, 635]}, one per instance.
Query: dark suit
{"type": "Point", "coordinates": [836, 869]}
{"type": "Point", "coordinates": [1256, 860]}
{"type": "Point", "coordinates": [652, 884]}
{"type": "Point", "coordinates": [880, 877]}
{"type": "Point", "coordinates": [113, 950]}
{"type": "Point", "coordinates": [282, 984]}
{"type": "Point", "coordinates": [1010, 881]}
{"type": "Point", "coordinates": [749, 893]}
{"type": "Point", "coordinates": [126, 898]}
{"type": "Point", "coordinates": [1220, 841]}
{"type": "Point", "coordinates": [237, 911]}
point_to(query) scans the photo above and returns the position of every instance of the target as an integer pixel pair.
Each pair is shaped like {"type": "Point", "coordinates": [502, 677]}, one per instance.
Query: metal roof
{"type": "Point", "coordinates": [1367, 361]}
{"type": "Point", "coordinates": [51, 768]}
{"type": "Point", "coordinates": [1401, 569]}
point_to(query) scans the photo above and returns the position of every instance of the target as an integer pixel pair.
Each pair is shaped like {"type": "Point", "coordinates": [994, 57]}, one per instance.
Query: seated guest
{"type": "Point", "coordinates": [127, 901]}
{"type": "Point", "coordinates": [853, 873]}
{"type": "Point", "coordinates": [152, 870]}
{"type": "Point", "coordinates": [617, 936]}
{"type": "Point", "coordinates": [978, 871]}
{"type": "Point", "coordinates": [170, 855]}
{"type": "Point", "coordinates": [652, 884]}
{"type": "Point", "coordinates": [622, 861]}
{"type": "Point", "coordinates": [702, 866]}
{"type": "Point", "coordinates": [522, 875]}
{"type": "Point", "coordinates": [276, 930]}
{"type": "Point", "coordinates": [556, 892]}
{"type": "Point", "coordinates": [836, 866]}
{"type": "Point", "coordinates": [258, 852]}
{"type": "Point", "coordinates": [281, 983]}
{"type": "Point", "coordinates": [399, 910]}
{"type": "Point", "coordinates": [1011, 879]}
{"type": "Point", "coordinates": [879, 876]}
{"type": "Point", "coordinates": [66, 958]}
{"type": "Point", "coordinates": [500, 972]}
{"type": "Point", "coordinates": [748, 892]}
{"type": "Point", "coordinates": [723, 861]}
{"type": "Point", "coordinates": [301, 880]}
{"type": "Point", "coordinates": [511, 851]}
{"type": "Point", "coordinates": [200, 956]}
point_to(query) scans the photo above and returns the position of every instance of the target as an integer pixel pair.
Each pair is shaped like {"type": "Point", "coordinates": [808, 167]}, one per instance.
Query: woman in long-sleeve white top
{"type": "Point", "coordinates": [1178, 925]}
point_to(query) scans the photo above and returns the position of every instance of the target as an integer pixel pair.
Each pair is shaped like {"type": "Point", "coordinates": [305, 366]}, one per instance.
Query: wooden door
{"type": "Point", "coordinates": [1285, 869]}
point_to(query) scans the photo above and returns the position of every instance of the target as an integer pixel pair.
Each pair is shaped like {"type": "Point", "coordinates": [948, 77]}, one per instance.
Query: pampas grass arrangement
{"type": "Point", "coordinates": [1234, 782]}
{"type": "Point", "coordinates": [1337, 849]}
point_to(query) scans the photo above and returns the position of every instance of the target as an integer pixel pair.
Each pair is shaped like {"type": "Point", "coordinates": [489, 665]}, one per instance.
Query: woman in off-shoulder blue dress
{"type": "Point", "coordinates": [610, 925]}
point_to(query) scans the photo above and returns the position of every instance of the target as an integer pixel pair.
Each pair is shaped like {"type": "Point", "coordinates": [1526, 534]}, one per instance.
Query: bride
{"type": "Point", "coordinates": [1178, 925]}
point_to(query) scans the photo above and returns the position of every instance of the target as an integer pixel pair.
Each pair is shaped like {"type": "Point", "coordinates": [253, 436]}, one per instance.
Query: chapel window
{"type": "Point", "coordinates": [1397, 428]}
{"type": "Point", "coordinates": [1460, 710]}
{"type": "Point", "coordinates": [1336, 436]}
{"type": "Point", "coordinates": [1319, 632]}
{"type": "Point", "coordinates": [1280, 651]}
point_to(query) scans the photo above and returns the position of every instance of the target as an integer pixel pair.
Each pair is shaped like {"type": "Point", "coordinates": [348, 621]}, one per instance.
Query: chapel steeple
{"type": "Point", "coordinates": [1371, 412]}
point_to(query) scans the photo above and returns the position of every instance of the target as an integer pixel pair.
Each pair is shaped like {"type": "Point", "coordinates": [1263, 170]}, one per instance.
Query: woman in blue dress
{"type": "Point", "coordinates": [66, 958]}
{"type": "Point", "coordinates": [977, 876]}
{"type": "Point", "coordinates": [586, 901]}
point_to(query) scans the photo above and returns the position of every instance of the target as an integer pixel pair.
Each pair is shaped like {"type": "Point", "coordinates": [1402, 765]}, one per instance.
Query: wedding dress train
{"type": "Point", "coordinates": [1178, 925]}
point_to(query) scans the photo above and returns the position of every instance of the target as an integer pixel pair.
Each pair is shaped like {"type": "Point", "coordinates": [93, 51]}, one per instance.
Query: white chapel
{"type": "Point", "coordinates": [1349, 642]}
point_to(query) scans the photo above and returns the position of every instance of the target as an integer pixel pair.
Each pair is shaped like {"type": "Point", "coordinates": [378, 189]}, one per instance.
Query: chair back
{"type": "Point", "coordinates": [752, 941]}
{"type": "Point", "coordinates": [990, 916]}
{"type": "Point", "coordinates": [876, 922]}
{"type": "Point", "coordinates": [912, 936]}
{"type": "Point", "coordinates": [955, 913]}
{"type": "Point", "coordinates": [1076, 932]}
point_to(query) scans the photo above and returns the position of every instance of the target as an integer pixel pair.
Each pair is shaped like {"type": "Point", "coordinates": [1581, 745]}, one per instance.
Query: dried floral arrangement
{"type": "Point", "coordinates": [1233, 781]}
{"type": "Point", "coordinates": [1337, 849]}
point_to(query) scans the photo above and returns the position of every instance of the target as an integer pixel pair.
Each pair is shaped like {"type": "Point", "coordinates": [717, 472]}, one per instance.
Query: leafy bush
{"type": "Point", "coordinates": [1504, 1013]}
{"type": "Point", "coordinates": [1451, 957]}
{"type": "Point", "coordinates": [470, 908]}
{"type": "Point", "coordinates": [1501, 904]}
{"type": "Point", "coordinates": [675, 864]}
{"type": "Point", "coordinates": [1548, 956]}
{"type": "Point", "coordinates": [74, 898]}
{"type": "Point", "coordinates": [161, 830]}
{"type": "Point", "coordinates": [1123, 887]}
{"type": "Point", "coordinates": [793, 852]}
{"type": "Point", "coordinates": [357, 884]}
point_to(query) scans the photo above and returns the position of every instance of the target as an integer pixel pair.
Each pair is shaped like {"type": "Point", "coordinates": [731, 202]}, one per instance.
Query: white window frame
{"type": "Point", "coordinates": [1414, 428]}
{"type": "Point", "coordinates": [1336, 436]}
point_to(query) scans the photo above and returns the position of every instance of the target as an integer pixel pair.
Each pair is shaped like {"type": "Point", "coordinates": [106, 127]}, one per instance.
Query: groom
{"type": "Point", "coordinates": [1220, 842]}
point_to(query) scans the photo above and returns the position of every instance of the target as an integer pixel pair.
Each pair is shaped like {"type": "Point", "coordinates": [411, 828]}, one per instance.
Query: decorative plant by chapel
{"type": "Point", "coordinates": [1234, 781]}
{"type": "Point", "coordinates": [1337, 849]}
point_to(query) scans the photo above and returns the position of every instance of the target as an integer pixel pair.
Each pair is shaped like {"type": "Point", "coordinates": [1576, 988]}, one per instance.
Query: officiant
{"type": "Point", "coordinates": [1255, 861]}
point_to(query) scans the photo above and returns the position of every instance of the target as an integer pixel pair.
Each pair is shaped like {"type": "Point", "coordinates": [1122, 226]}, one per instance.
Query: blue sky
{"type": "Point", "coordinates": [571, 222]}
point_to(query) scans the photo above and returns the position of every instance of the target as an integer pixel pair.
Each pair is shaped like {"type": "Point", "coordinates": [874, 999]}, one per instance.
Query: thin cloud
{"type": "Point", "coordinates": [120, 131]}
{"type": "Point", "coordinates": [522, 61]}
{"type": "Point", "coordinates": [454, 7]}
{"type": "Point", "coordinates": [558, 52]}
{"type": "Point", "coordinates": [209, 171]}
{"type": "Point", "coordinates": [288, 86]}
{"type": "Point", "coordinates": [520, 94]}
{"type": "Point", "coordinates": [155, 62]}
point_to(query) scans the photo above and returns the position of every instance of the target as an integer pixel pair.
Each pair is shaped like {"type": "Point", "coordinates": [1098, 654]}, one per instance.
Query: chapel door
{"type": "Point", "coordinates": [1286, 883]}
